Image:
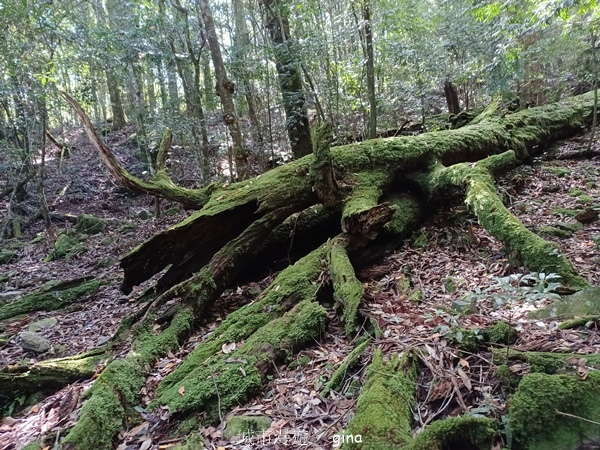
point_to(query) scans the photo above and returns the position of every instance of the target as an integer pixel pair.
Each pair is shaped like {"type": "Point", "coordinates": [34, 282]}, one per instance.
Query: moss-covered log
{"type": "Point", "coordinates": [48, 376]}
{"type": "Point", "coordinates": [207, 251]}
{"type": "Point", "coordinates": [364, 172]}
{"type": "Point", "coordinates": [52, 296]}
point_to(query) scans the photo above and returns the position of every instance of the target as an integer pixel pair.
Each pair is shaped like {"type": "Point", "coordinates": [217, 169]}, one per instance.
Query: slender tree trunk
{"type": "Point", "coordinates": [451, 97]}
{"type": "Point", "coordinates": [370, 66]}
{"type": "Point", "coordinates": [290, 78]}
{"type": "Point", "coordinates": [595, 75]}
{"type": "Point", "coordinates": [162, 85]}
{"type": "Point", "coordinates": [151, 92]}
{"type": "Point", "coordinates": [242, 48]}
{"type": "Point", "coordinates": [116, 104]}
{"type": "Point", "coordinates": [225, 88]}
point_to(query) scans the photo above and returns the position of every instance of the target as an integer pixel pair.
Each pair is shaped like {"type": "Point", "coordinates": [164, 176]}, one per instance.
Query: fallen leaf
{"type": "Point", "coordinates": [181, 390]}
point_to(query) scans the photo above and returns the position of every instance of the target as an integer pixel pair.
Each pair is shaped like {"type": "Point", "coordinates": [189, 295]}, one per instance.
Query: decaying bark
{"type": "Point", "coordinates": [364, 186]}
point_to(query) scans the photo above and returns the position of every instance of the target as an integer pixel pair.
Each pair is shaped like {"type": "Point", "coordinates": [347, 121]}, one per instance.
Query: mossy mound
{"type": "Point", "coordinates": [500, 333]}
{"type": "Point", "coordinates": [555, 411]}
{"type": "Point", "coordinates": [88, 224]}
{"type": "Point", "coordinates": [65, 247]}
{"type": "Point", "coordinates": [246, 426]}
{"type": "Point", "coordinates": [583, 303]}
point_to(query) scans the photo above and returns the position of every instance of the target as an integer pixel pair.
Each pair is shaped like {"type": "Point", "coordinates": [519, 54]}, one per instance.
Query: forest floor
{"type": "Point", "coordinates": [449, 258]}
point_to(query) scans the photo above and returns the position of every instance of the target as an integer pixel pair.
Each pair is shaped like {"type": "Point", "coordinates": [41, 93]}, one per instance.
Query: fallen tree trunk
{"type": "Point", "coordinates": [371, 187]}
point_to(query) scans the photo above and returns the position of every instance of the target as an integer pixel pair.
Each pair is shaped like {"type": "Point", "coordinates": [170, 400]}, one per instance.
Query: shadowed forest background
{"type": "Point", "coordinates": [281, 224]}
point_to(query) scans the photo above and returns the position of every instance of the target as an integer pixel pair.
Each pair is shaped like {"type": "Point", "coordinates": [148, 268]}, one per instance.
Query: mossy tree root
{"type": "Point", "coordinates": [347, 290]}
{"type": "Point", "coordinates": [294, 285]}
{"type": "Point", "coordinates": [113, 395]}
{"type": "Point", "coordinates": [481, 197]}
{"type": "Point", "coordinates": [340, 374]}
{"type": "Point", "coordinates": [383, 419]}
{"type": "Point", "coordinates": [225, 380]}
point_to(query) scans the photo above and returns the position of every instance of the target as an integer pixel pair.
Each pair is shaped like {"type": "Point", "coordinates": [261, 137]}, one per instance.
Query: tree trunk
{"type": "Point", "coordinates": [451, 97]}
{"type": "Point", "coordinates": [118, 114]}
{"type": "Point", "coordinates": [290, 78]}
{"type": "Point", "coordinates": [225, 88]}
{"type": "Point", "coordinates": [370, 65]}
{"type": "Point", "coordinates": [239, 227]}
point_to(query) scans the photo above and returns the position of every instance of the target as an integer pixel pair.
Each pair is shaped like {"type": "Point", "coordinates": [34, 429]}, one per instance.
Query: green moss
{"type": "Point", "coordinates": [553, 231]}
{"type": "Point", "coordinates": [246, 426]}
{"type": "Point", "coordinates": [65, 247]}
{"type": "Point", "coordinates": [465, 339]}
{"type": "Point", "coordinates": [88, 224]}
{"type": "Point", "coordinates": [416, 297]}
{"type": "Point", "coordinates": [292, 285]}
{"type": "Point", "coordinates": [456, 432]}
{"type": "Point", "coordinates": [575, 192]}
{"type": "Point", "coordinates": [585, 199]}
{"type": "Point", "coordinates": [533, 417]}
{"type": "Point", "coordinates": [501, 333]}
{"type": "Point", "coordinates": [337, 379]}
{"type": "Point", "coordinates": [407, 213]}
{"type": "Point", "coordinates": [507, 377]}
{"type": "Point", "coordinates": [481, 197]}
{"type": "Point", "coordinates": [36, 445]}
{"type": "Point", "coordinates": [367, 188]}
{"type": "Point", "coordinates": [566, 212]}
{"type": "Point", "coordinates": [560, 172]}
{"type": "Point", "coordinates": [225, 380]}
{"type": "Point", "coordinates": [99, 422]}
{"type": "Point", "coordinates": [571, 227]}
{"type": "Point", "coordinates": [383, 411]}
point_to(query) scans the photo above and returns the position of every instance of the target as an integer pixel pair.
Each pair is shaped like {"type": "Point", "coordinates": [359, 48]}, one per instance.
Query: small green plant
{"type": "Point", "coordinates": [530, 287]}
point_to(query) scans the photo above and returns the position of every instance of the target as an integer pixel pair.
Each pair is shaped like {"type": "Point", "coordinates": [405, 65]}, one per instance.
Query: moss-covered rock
{"type": "Point", "coordinates": [464, 432]}
{"type": "Point", "coordinates": [65, 247]}
{"type": "Point", "coordinates": [566, 212]}
{"type": "Point", "coordinates": [554, 411]}
{"type": "Point", "coordinates": [583, 303]}
{"type": "Point", "coordinates": [501, 333]}
{"type": "Point", "coordinates": [246, 426]}
{"type": "Point", "coordinates": [89, 224]}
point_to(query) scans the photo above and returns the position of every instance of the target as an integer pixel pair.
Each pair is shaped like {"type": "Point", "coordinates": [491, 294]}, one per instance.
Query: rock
{"type": "Point", "coordinates": [246, 426]}
{"type": "Point", "coordinates": [587, 216]}
{"type": "Point", "coordinates": [9, 295]}
{"type": "Point", "coordinates": [583, 303]}
{"type": "Point", "coordinates": [143, 214]}
{"type": "Point", "coordinates": [65, 247]}
{"type": "Point", "coordinates": [43, 324]}
{"type": "Point", "coordinates": [33, 342]}
{"type": "Point", "coordinates": [88, 224]}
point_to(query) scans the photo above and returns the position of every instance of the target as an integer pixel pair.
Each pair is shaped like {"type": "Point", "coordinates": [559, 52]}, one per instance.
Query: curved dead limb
{"type": "Point", "coordinates": [160, 186]}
